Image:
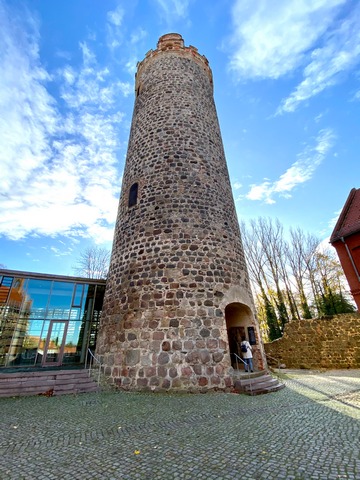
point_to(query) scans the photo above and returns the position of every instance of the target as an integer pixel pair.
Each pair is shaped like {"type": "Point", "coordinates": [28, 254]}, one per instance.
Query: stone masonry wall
{"type": "Point", "coordinates": [177, 257]}
{"type": "Point", "coordinates": [329, 342]}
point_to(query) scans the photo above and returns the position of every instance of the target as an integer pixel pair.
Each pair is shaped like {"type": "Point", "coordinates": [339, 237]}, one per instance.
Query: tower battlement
{"type": "Point", "coordinates": [173, 43]}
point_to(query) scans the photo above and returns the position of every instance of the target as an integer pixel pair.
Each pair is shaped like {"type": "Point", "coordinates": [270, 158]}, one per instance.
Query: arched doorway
{"type": "Point", "coordinates": [238, 317]}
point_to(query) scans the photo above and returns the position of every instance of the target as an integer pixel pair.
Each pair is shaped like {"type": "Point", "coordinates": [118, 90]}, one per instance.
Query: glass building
{"type": "Point", "coordinates": [47, 320]}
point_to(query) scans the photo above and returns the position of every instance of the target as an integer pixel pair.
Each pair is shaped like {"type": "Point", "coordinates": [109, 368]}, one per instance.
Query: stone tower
{"type": "Point", "coordinates": [178, 296]}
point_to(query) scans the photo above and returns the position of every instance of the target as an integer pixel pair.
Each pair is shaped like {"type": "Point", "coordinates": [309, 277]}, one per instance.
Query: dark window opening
{"type": "Point", "coordinates": [252, 336]}
{"type": "Point", "coordinates": [133, 194]}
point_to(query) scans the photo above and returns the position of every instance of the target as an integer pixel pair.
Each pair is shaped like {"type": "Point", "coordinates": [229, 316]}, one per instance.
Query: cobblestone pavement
{"type": "Point", "coordinates": [309, 430]}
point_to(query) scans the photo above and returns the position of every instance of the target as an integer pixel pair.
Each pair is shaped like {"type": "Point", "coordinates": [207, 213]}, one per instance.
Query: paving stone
{"type": "Point", "coordinates": [309, 430]}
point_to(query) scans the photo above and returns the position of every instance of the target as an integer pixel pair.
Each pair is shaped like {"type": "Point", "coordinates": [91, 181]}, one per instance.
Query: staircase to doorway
{"type": "Point", "coordinates": [256, 383]}
{"type": "Point", "coordinates": [47, 382]}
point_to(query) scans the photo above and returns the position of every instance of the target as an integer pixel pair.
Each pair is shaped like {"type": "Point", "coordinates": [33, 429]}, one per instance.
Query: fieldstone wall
{"type": "Point", "coordinates": [177, 258]}
{"type": "Point", "coordinates": [329, 342]}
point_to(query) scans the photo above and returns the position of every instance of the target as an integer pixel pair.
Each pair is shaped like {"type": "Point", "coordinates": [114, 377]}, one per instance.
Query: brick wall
{"type": "Point", "coordinates": [329, 342]}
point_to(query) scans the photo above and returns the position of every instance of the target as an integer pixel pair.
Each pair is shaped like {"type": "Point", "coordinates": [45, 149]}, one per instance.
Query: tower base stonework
{"type": "Point", "coordinates": [178, 296]}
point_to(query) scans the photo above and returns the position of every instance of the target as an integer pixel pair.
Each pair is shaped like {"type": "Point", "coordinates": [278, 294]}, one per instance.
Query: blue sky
{"type": "Point", "coordinates": [287, 91]}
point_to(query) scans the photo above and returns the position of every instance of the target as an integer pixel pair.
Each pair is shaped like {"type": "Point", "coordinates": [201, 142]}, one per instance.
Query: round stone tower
{"type": "Point", "coordinates": [178, 297]}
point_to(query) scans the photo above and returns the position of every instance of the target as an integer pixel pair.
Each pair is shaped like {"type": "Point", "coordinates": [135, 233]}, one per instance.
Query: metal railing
{"type": "Point", "coordinates": [92, 360]}
{"type": "Point", "coordinates": [238, 358]}
{"type": "Point", "coordinates": [237, 368]}
{"type": "Point", "coordinates": [275, 359]}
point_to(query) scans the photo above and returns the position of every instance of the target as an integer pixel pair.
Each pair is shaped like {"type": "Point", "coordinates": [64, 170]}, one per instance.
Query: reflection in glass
{"type": "Point", "coordinates": [38, 291]}
{"type": "Point", "coordinates": [60, 300]}
{"type": "Point", "coordinates": [54, 347]}
{"type": "Point", "coordinates": [78, 294]}
{"type": "Point", "coordinates": [5, 285]}
{"type": "Point", "coordinates": [41, 339]}
{"type": "Point", "coordinates": [46, 321]}
{"type": "Point", "coordinates": [14, 320]}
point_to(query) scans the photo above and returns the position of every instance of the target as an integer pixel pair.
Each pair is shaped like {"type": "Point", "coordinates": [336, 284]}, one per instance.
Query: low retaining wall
{"type": "Point", "coordinates": [328, 342]}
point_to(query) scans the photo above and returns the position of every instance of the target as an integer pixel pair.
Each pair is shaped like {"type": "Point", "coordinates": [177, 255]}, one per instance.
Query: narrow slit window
{"type": "Point", "coordinates": [133, 194]}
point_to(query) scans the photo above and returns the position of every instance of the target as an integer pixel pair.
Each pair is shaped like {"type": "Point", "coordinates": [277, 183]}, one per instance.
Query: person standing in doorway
{"type": "Point", "coordinates": [246, 351]}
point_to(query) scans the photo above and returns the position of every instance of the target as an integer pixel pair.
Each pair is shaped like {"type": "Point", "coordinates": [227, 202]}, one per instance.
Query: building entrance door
{"type": "Point", "coordinates": [55, 343]}
{"type": "Point", "coordinates": [235, 334]}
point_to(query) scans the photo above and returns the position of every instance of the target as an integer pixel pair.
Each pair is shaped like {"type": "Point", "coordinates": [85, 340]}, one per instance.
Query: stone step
{"type": "Point", "coordinates": [261, 385]}
{"type": "Point", "coordinates": [242, 374]}
{"type": "Point", "coordinates": [272, 389]}
{"type": "Point", "coordinates": [252, 384]}
{"type": "Point", "coordinates": [263, 380]}
{"type": "Point", "coordinates": [75, 388]}
{"type": "Point", "coordinates": [43, 380]}
{"type": "Point", "coordinates": [46, 383]}
{"type": "Point", "coordinates": [43, 374]}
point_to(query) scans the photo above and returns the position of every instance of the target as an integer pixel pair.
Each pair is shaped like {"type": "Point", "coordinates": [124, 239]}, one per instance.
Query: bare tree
{"type": "Point", "coordinates": [271, 239]}
{"type": "Point", "coordinates": [262, 280]}
{"type": "Point", "coordinates": [329, 278]}
{"type": "Point", "coordinates": [93, 263]}
{"type": "Point", "coordinates": [256, 261]}
{"type": "Point", "coordinates": [301, 250]}
{"type": "Point", "coordinates": [293, 278]}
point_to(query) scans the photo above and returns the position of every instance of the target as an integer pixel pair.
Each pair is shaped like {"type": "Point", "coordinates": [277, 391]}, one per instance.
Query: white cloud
{"type": "Point", "coordinates": [125, 88]}
{"type": "Point", "coordinates": [324, 246]}
{"type": "Point", "coordinates": [173, 10]}
{"type": "Point", "coordinates": [116, 16]}
{"type": "Point", "coordinates": [138, 35]}
{"type": "Point", "coordinates": [23, 96]}
{"type": "Point", "coordinates": [131, 65]}
{"type": "Point", "coordinates": [91, 85]}
{"type": "Point", "coordinates": [271, 39]}
{"type": "Point", "coordinates": [51, 155]}
{"type": "Point", "coordinates": [237, 185]}
{"type": "Point", "coordinates": [300, 171]}
{"type": "Point", "coordinates": [340, 54]}
{"type": "Point", "coordinates": [114, 27]}
{"type": "Point", "coordinates": [60, 252]}
{"type": "Point", "coordinates": [333, 220]}
{"type": "Point", "coordinates": [319, 117]}
{"type": "Point", "coordinates": [69, 75]}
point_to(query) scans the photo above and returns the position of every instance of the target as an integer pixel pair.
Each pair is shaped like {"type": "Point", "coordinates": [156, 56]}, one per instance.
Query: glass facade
{"type": "Point", "coordinates": [47, 320]}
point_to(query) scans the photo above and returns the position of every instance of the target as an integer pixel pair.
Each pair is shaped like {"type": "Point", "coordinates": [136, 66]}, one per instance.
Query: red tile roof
{"type": "Point", "coordinates": [349, 220]}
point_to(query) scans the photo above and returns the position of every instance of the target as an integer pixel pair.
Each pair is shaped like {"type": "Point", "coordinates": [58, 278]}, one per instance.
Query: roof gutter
{"type": "Point", "coordinates": [350, 257]}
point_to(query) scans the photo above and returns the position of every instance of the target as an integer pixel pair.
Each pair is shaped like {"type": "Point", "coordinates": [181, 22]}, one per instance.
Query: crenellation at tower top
{"type": "Point", "coordinates": [169, 41]}
{"type": "Point", "coordinates": [172, 43]}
